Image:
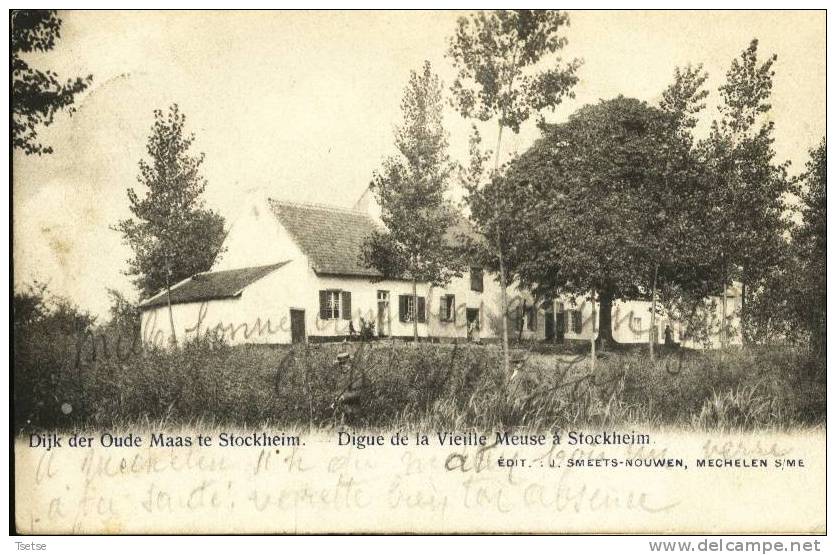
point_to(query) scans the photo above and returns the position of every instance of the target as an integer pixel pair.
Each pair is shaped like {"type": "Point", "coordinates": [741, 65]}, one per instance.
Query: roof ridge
{"type": "Point", "coordinates": [318, 205]}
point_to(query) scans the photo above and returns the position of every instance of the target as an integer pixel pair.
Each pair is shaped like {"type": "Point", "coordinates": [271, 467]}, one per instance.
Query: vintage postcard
{"type": "Point", "coordinates": [425, 272]}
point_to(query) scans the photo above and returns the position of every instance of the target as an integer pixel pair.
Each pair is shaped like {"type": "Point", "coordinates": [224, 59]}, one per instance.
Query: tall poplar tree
{"type": "Point", "coordinates": [411, 189]}
{"type": "Point", "coordinates": [749, 186]}
{"type": "Point", "coordinates": [508, 69]}
{"type": "Point", "coordinates": [172, 234]}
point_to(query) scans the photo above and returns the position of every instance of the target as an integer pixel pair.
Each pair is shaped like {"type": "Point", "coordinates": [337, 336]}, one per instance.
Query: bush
{"type": "Point", "coordinates": [387, 384]}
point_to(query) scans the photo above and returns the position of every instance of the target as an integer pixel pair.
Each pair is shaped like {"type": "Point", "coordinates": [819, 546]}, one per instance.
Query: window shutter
{"type": "Point", "coordinates": [476, 279]}
{"type": "Point", "coordinates": [422, 312]}
{"type": "Point", "coordinates": [345, 305]}
{"type": "Point", "coordinates": [402, 308]}
{"type": "Point", "coordinates": [452, 315]}
{"type": "Point", "coordinates": [442, 308]}
{"type": "Point", "coordinates": [323, 305]}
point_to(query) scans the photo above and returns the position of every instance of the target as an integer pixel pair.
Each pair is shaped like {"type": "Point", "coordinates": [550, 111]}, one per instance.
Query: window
{"type": "Point", "coordinates": [577, 321]}
{"type": "Point", "coordinates": [447, 310]}
{"type": "Point", "coordinates": [406, 308]}
{"type": "Point", "coordinates": [531, 318]}
{"type": "Point", "coordinates": [636, 325]}
{"type": "Point", "coordinates": [477, 279]}
{"type": "Point", "coordinates": [333, 303]}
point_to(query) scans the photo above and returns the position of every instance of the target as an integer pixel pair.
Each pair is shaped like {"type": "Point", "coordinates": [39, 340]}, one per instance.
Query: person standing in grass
{"type": "Point", "coordinates": [668, 336]}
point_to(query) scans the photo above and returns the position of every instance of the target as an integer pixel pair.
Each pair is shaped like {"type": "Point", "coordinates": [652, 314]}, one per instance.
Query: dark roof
{"type": "Point", "coordinates": [332, 238]}
{"type": "Point", "coordinates": [212, 285]}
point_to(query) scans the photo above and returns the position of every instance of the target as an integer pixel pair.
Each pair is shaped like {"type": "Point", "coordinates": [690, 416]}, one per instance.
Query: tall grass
{"type": "Point", "coordinates": [426, 386]}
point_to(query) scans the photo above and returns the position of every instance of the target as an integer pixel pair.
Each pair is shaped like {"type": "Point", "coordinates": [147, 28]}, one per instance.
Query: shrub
{"type": "Point", "coordinates": [386, 384]}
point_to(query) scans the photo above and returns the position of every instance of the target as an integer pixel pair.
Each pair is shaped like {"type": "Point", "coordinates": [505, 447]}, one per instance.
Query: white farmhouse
{"type": "Point", "coordinates": [293, 273]}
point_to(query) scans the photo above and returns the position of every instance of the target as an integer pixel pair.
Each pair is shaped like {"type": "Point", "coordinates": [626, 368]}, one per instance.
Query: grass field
{"type": "Point", "coordinates": [397, 385]}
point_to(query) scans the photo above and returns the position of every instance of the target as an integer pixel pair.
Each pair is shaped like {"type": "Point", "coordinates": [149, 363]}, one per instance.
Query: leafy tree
{"type": "Point", "coordinates": [790, 304]}
{"type": "Point", "coordinates": [46, 326]}
{"type": "Point", "coordinates": [172, 235]}
{"type": "Point", "coordinates": [37, 95]}
{"type": "Point", "coordinates": [410, 189]}
{"type": "Point", "coordinates": [810, 242]}
{"type": "Point", "coordinates": [747, 201]}
{"type": "Point", "coordinates": [590, 183]}
{"type": "Point", "coordinates": [29, 304]}
{"type": "Point", "coordinates": [673, 219]}
{"type": "Point", "coordinates": [124, 314]}
{"type": "Point", "coordinates": [507, 69]}
{"type": "Point", "coordinates": [35, 304]}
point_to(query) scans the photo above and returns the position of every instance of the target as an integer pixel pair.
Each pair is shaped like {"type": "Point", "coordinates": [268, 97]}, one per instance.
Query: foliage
{"type": "Point", "coordinates": [366, 332]}
{"type": "Point", "coordinates": [507, 67]}
{"type": "Point", "coordinates": [68, 374]}
{"type": "Point", "coordinates": [125, 316]}
{"type": "Point", "coordinates": [613, 182]}
{"type": "Point", "coordinates": [410, 190]}
{"type": "Point", "coordinates": [37, 95]}
{"type": "Point", "coordinates": [498, 55]}
{"type": "Point", "coordinates": [172, 235]}
{"type": "Point", "coordinates": [790, 302]}
{"type": "Point", "coordinates": [44, 329]}
{"type": "Point", "coordinates": [425, 387]}
{"type": "Point", "coordinates": [810, 242]}
{"type": "Point", "coordinates": [747, 197]}
{"type": "Point", "coordinates": [35, 305]}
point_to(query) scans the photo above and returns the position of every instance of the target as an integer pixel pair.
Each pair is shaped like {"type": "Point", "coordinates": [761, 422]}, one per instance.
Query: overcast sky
{"type": "Point", "coordinates": [302, 106]}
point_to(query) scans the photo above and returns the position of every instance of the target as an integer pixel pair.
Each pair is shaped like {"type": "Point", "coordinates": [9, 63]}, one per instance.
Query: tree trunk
{"type": "Point", "coordinates": [743, 323]}
{"type": "Point", "coordinates": [554, 320]}
{"type": "Point", "coordinates": [723, 319]}
{"type": "Point", "coordinates": [521, 322]}
{"type": "Point", "coordinates": [503, 279]}
{"type": "Point", "coordinates": [652, 334]}
{"type": "Point", "coordinates": [592, 337]}
{"type": "Point", "coordinates": [173, 337]}
{"type": "Point", "coordinates": [605, 327]}
{"type": "Point", "coordinates": [414, 313]}
{"type": "Point", "coordinates": [503, 285]}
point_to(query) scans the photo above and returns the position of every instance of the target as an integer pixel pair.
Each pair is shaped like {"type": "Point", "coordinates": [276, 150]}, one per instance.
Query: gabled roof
{"type": "Point", "coordinates": [212, 285]}
{"type": "Point", "coordinates": [332, 238]}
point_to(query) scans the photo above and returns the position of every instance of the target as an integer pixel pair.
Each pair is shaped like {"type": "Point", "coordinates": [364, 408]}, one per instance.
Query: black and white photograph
{"type": "Point", "coordinates": [419, 272]}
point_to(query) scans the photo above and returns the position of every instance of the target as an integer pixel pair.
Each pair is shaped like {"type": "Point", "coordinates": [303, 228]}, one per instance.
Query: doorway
{"type": "Point", "coordinates": [297, 326]}
{"type": "Point", "coordinates": [555, 323]}
{"type": "Point", "coordinates": [472, 317]}
{"type": "Point", "coordinates": [383, 321]}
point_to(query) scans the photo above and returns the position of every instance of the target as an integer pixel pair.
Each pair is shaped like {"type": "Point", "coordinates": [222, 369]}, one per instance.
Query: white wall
{"type": "Point", "coordinates": [262, 313]}
{"type": "Point", "coordinates": [631, 322]}
{"type": "Point", "coordinates": [364, 305]}
{"type": "Point", "coordinates": [256, 238]}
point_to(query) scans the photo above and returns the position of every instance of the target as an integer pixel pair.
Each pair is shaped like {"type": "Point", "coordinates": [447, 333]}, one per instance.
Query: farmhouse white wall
{"type": "Point", "coordinates": [261, 312]}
